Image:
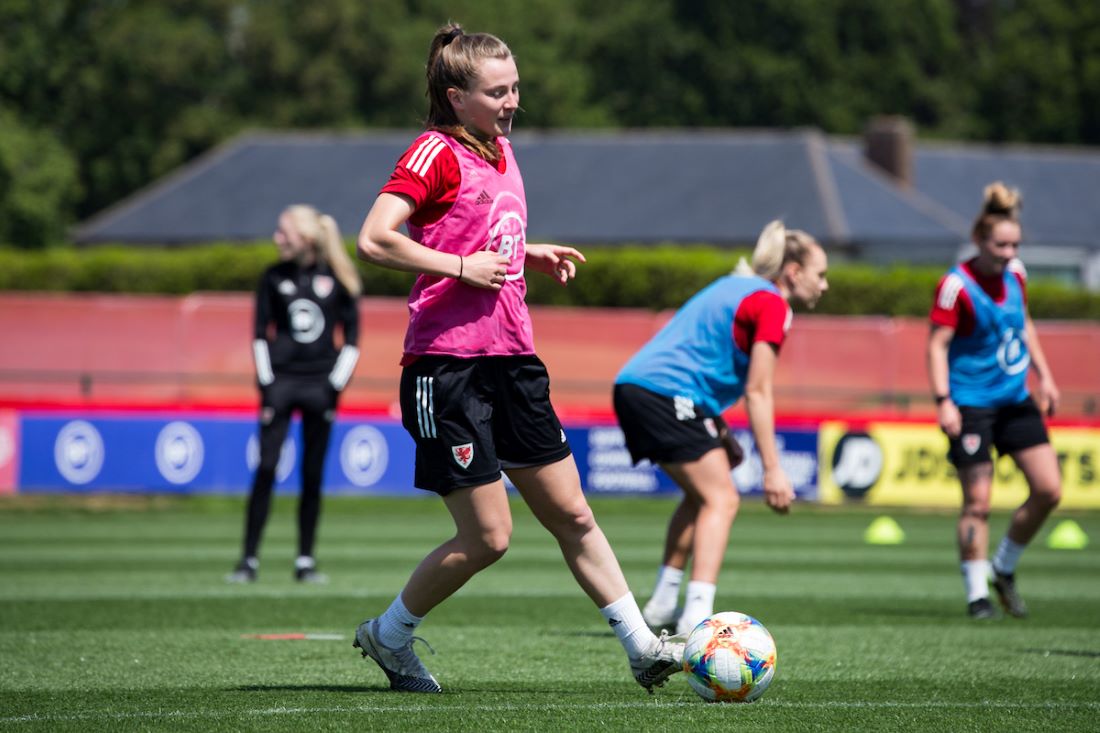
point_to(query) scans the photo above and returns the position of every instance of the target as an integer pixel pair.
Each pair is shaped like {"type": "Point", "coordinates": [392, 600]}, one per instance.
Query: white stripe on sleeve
{"type": "Point", "coordinates": [949, 293]}
{"type": "Point", "coordinates": [262, 358]}
{"type": "Point", "coordinates": [421, 161]}
{"type": "Point", "coordinates": [345, 365]}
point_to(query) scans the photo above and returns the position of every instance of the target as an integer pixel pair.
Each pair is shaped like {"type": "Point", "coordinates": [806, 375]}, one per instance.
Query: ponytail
{"type": "Point", "coordinates": [332, 244]}
{"type": "Point", "coordinates": [775, 247]}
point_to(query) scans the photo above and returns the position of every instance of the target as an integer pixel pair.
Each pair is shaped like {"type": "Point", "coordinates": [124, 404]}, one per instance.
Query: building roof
{"type": "Point", "coordinates": [715, 186]}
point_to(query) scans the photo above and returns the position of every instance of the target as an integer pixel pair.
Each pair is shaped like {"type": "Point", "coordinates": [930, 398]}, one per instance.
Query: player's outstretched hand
{"type": "Point", "coordinates": [555, 260]}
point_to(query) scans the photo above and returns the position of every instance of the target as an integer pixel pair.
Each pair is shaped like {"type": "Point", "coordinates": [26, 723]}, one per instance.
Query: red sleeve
{"type": "Point", "coordinates": [761, 316]}
{"type": "Point", "coordinates": [427, 173]}
{"type": "Point", "coordinates": [952, 307]}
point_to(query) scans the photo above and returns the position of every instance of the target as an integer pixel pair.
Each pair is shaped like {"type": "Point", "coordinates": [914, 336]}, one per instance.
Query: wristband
{"type": "Point", "coordinates": [461, 264]}
{"type": "Point", "coordinates": [941, 398]}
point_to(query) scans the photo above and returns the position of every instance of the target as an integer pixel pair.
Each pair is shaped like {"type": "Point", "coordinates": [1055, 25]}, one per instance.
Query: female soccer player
{"type": "Point", "coordinates": [313, 287]}
{"type": "Point", "coordinates": [474, 396]}
{"type": "Point", "coordinates": [722, 344]}
{"type": "Point", "coordinates": [981, 344]}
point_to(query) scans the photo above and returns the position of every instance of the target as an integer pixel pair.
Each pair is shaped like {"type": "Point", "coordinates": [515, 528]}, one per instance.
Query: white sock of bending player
{"type": "Point", "coordinates": [666, 592]}
{"type": "Point", "coordinates": [698, 604]}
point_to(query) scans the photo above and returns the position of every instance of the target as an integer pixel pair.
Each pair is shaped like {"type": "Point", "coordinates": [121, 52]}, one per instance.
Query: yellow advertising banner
{"type": "Point", "coordinates": [905, 464]}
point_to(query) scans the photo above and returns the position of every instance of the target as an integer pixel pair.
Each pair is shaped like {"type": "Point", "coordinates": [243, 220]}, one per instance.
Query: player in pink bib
{"type": "Point", "coordinates": [474, 396]}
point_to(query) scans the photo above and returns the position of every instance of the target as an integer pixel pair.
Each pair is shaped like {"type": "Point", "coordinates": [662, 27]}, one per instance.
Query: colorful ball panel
{"type": "Point", "coordinates": [730, 657]}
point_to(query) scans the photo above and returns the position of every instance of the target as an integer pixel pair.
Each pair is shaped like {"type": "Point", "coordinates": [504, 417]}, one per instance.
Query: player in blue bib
{"type": "Point", "coordinates": [721, 345]}
{"type": "Point", "coordinates": [980, 348]}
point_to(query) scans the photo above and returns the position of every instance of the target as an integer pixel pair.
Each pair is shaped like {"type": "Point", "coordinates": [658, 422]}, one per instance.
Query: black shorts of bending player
{"type": "Point", "coordinates": [1009, 429]}
{"type": "Point", "coordinates": [664, 429]}
{"type": "Point", "coordinates": [473, 418]}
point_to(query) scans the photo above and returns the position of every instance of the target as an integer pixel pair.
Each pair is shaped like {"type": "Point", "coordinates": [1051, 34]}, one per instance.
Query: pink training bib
{"type": "Point", "coordinates": [448, 317]}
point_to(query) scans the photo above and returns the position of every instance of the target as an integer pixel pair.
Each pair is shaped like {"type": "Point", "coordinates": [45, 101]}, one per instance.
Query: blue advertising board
{"type": "Point", "coordinates": [208, 453]}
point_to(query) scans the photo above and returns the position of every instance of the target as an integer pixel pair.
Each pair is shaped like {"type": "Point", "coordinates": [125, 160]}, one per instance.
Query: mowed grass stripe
{"type": "Point", "coordinates": [120, 619]}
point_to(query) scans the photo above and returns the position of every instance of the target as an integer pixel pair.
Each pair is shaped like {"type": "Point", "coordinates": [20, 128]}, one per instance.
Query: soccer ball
{"type": "Point", "coordinates": [729, 657]}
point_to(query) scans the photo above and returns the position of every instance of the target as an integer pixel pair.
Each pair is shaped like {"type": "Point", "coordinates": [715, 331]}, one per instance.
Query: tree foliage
{"type": "Point", "coordinates": [131, 89]}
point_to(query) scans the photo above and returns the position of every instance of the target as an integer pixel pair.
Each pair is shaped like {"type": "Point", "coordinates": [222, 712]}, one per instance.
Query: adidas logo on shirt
{"type": "Point", "coordinates": [483, 198]}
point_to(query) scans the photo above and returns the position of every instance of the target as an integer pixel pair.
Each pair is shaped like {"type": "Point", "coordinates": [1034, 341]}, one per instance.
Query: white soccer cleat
{"type": "Point", "coordinates": [404, 669]}
{"type": "Point", "coordinates": [663, 660]}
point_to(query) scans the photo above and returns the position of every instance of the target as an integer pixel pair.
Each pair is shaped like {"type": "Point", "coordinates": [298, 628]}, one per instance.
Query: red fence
{"type": "Point", "coordinates": [195, 351]}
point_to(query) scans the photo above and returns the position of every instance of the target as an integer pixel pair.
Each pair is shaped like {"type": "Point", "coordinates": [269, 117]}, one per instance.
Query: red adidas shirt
{"type": "Point", "coordinates": [430, 180]}
{"type": "Point", "coordinates": [952, 307]}
{"type": "Point", "coordinates": [761, 316]}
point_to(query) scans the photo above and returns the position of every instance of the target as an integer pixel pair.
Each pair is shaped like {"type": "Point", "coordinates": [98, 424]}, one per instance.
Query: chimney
{"type": "Point", "coordinates": [888, 144]}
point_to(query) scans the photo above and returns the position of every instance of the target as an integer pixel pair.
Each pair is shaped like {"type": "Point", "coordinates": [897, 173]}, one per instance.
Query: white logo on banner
{"type": "Point", "coordinates": [364, 455]}
{"type": "Point", "coordinates": [78, 452]}
{"type": "Point", "coordinates": [286, 456]}
{"type": "Point", "coordinates": [179, 452]}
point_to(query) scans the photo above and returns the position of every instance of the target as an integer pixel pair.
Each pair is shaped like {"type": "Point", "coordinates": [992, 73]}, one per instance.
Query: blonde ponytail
{"type": "Point", "coordinates": [342, 266]}
{"type": "Point", "coordinates": [767, 257]}
{"type": "Point", "coordinates": [775, 247]}
{"type": "Point", "coordinates": [322, 232]}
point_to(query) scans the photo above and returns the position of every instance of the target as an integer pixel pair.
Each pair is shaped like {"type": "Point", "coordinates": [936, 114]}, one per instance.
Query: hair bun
{"type": "Point", "coordinates": [1000, 199]}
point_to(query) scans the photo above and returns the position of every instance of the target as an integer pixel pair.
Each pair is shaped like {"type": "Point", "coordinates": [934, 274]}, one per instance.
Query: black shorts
{"type": "Point", "coordinates": [473, 418]}
{"type": "Point", "coordinates": [1008, 429]}
{"type": "Point", "coordinates": [308, 393]}
{"type": "Point", "coordinates": [664, 429]}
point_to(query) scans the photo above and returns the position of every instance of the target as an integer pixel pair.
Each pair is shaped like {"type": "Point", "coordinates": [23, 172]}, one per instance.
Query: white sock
{"type": "Point", "coordinates": [976, 579]}
{"type": "Point", "coordinates": [304, 561]}
{"type": "Point", "coordinates": [698, 604]}
{"type": "Point", "coordinates": [665, 592]}
{"type": "Point", "coordinates": [252, 562]}
{"type": "Point", "coordinates": [397, 624]}
{"type": "Point", "coordinates": [1007, 556]}
{"type": "Point", "coordinates": [625, 619]}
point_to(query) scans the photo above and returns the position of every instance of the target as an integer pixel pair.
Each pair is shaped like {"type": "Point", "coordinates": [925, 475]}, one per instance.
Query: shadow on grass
{"type": "Point", "coordinates": [310, 688]}
{"type": "Point", "coordinates": [1063, 653]}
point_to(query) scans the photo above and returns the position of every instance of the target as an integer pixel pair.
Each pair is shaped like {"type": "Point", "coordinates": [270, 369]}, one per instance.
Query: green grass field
{"type": "Point", "coordinates": [114, 616]}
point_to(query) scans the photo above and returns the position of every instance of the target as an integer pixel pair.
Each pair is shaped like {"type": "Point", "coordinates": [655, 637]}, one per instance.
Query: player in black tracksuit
{"type": "Point", "coordinates": [299, 301]}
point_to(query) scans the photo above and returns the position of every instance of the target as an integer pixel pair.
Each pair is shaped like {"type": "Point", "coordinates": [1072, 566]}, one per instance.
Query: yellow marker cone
{"type": "Point", "coordinates": [884, 531]}
{"type": "Point", "coordinates": [1068, 535]}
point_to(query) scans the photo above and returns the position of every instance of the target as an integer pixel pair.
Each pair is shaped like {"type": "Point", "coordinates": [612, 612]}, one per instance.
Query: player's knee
{"type": "Point", "coordinates": [578, 517]}
{"type": "Point", "coordinates": [725, 503]}
{"type": "Point", "coordinates": [979, 511]}
{"type": "Point", "coordinates": [490, 547]}
{"type": "Point", "coordinates": [1048, 496]}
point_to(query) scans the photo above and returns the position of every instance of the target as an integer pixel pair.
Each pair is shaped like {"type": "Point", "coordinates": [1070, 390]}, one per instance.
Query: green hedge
{"type": "Point", "coordinates": [629, 276]}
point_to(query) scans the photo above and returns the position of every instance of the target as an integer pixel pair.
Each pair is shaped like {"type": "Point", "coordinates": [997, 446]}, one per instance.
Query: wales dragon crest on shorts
{"type": "Point", "coordinates": [463, 454]}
